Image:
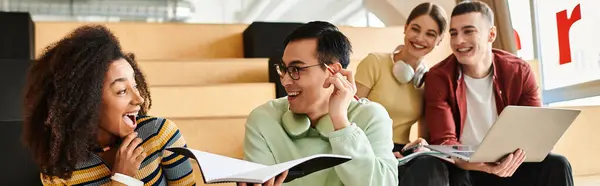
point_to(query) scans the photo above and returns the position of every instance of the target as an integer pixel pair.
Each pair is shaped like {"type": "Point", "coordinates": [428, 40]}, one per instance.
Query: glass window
{"type": "Point", "coordinates": [567, 46]}
{"type": "Point", "coordinates": [520, 15]}
{"type": "Point", "coordinates": [568, 33]}
{"type": "Point", "coordinates": [589, 101]}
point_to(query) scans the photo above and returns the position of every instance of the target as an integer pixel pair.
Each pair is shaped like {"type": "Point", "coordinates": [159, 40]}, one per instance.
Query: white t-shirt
{"type": "Point", "coordinates": [481, 109]}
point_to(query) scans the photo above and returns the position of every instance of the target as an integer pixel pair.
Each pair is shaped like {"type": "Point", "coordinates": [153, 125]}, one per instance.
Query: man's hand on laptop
{"type": "Point", "coordinates": [412, 147]}
{"type": "Point", "coordinates": [505, 168]}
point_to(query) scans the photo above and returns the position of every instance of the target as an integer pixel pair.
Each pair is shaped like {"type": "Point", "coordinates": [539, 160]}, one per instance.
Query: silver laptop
{"type": "Point", "coordinates": [533, 129]}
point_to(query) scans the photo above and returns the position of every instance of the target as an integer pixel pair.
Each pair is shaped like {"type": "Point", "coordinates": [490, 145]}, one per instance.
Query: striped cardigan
{"type": "Point", "coordinates": [159, 168]}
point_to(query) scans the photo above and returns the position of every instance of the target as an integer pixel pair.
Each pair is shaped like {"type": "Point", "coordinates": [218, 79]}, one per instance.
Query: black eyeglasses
{"type": "Point", "coordinates": [292, 71]}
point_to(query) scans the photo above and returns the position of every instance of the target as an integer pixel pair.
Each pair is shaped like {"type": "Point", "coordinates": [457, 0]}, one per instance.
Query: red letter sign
{"type": "Point", "coordinates": [518, 40]}
{"type": "Point", "coordinates": [564, 25]}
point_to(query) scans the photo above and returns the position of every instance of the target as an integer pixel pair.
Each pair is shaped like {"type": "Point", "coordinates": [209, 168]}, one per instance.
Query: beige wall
{"type": "Point", "coordinates": [580, 143]}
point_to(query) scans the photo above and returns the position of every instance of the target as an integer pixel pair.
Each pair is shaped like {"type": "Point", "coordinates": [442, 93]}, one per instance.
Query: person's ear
{"type": "Point", "coordinates": [440, 39]}
{"type": "Point", "coordinates": [493, 35]}
{"type": "Point", "coordinates": [336, 66]}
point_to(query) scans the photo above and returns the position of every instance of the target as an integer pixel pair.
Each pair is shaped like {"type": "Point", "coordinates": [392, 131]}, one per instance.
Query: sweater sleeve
{"type": "Point", "coordinates": [255, 146]}
{"type": "Point", "coordinates": [373, 163]}
{"type": "Point", "coordinates": [177, 169]}
{"type": "Point", "coordinates": [438, 114]}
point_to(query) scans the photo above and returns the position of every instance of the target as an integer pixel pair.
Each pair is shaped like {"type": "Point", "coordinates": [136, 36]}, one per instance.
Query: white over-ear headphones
{"type": "Point", "coordinates": [404, 73]}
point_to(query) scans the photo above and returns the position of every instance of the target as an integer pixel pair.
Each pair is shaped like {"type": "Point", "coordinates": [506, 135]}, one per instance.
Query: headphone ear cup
{"type": "Point", "coordinates": [421, 81]}
{"type": "Point", "coordinates": [403, 72]}
{"type": "Point", "coordinates": [419, 77]}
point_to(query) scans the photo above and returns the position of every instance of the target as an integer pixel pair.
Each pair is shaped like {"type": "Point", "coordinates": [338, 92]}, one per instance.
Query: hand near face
{"type": "Point", "coordinates": [129, 156]}
{"type": "Point", "coordinates": [343, 93]}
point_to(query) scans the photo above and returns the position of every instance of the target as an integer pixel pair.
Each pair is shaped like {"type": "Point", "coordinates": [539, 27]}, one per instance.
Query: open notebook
{"type": "Point", "coordinates": [406, 159]}
{"type": "Point", "coordinates": [219, 169]}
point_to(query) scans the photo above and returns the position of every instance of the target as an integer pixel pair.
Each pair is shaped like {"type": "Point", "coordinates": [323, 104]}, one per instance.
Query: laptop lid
{"type": "Point", "coordinates": [533, 129]}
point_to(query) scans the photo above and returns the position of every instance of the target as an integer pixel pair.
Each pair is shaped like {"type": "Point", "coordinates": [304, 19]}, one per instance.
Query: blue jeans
{"type": "Point", "coordinates": [422, 171]}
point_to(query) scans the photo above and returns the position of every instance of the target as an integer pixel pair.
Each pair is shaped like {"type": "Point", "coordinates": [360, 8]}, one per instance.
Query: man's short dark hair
{"type": "Point", "coordinates": [466, 7]}
{"type": "Point", "coordinates": [331, 43]}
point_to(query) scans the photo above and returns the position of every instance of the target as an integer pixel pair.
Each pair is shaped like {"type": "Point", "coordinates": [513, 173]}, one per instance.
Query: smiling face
{"type": "Point", "coordinates": [421, 36]}
{"type": "Point", "coordinates": [471, 37]}
{"type": "Point", "coordinates": [306, 95]}
{"type": "Point", "coordinates": [120, 100]}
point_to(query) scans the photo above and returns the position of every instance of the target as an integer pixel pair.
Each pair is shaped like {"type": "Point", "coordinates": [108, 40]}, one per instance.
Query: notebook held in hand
{"type": "Point", "coordinates": [220, 169]}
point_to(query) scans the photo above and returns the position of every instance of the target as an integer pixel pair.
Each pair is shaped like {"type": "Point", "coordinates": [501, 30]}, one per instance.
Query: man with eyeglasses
{"type": "Point", "coordinates": [320, 115]}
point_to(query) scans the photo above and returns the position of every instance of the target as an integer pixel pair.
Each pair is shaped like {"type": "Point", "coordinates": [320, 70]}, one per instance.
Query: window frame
{"type": "Point", "coordinates": [561, 94]}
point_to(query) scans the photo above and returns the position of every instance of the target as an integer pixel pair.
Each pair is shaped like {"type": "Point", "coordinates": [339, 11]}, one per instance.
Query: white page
{"type": "Point", "coordinates": [215, 166]}
{"type": "Point", "coordinates": [263, 174]}
{"type": "Point", "coordinates": [406, 159]}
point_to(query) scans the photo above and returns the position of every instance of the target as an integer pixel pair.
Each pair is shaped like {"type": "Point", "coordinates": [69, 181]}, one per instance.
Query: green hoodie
{"type": "Point", "coordinates": [275, 135]}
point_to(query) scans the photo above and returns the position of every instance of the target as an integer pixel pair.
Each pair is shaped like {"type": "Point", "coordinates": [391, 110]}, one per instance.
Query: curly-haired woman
{"type": "Point", "coordinates": [85, 122]}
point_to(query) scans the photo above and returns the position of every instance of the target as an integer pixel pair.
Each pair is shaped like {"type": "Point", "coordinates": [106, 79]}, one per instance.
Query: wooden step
{"type": "Point", "coordinates": [178, 41]}
{"type": "Point", "coordinates": [587, 180]}
{"type": "Point", "coordinates": [578, 143]}
{"type": "Point", "coordinates": [206, 72]}
{"type": "Point", "coordinates": [159, 41]}
{"type": "Point", "coordinates": [227, 100]}
{"type": "Point", "coordinates": [223, 136]}
{"type": "Point", "coordinates": [210, 71]}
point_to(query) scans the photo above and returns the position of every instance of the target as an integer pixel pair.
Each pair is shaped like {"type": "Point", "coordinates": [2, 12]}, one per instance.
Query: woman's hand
{"type": "Point", "coordinates": [129, 156]}
{"type": "Point", "coordinates": [418, 143]}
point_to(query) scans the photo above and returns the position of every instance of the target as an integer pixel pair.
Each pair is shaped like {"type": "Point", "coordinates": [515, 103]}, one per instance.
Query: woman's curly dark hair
{"type": "Point", "coordinates": [64, 95]}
